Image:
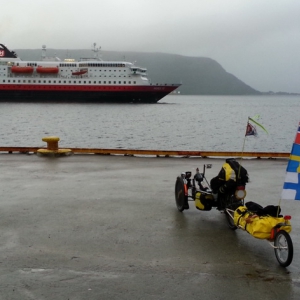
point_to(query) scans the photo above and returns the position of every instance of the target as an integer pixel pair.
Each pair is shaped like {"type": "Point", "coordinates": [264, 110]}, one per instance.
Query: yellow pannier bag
{"type": "Point", "coordinates": [259, 226]}
{"type": "Point", "coordinates": [204, 201]}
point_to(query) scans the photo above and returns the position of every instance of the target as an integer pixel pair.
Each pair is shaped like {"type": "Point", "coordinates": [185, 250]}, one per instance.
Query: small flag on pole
{"type": "Point", "coordinates": [250, 130]}
{"type": "Point", "coordinates": [291, 186]}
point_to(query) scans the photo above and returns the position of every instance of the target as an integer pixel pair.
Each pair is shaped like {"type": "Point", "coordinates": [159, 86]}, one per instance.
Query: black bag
{"type": "Point", "coordinates": [255, 208]}
{"type": "Point", "coordinates": [272, 210]}
{"type": "Point", "coordinates": [269, 210]}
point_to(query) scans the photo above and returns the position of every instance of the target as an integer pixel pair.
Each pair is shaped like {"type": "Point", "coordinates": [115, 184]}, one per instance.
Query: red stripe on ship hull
{"type": "Point", "coordinates": [95, 94]}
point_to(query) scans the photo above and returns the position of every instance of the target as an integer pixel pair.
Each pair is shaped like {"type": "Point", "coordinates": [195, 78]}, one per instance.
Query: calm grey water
{"type": "Point", "coordinates": [207, 123]}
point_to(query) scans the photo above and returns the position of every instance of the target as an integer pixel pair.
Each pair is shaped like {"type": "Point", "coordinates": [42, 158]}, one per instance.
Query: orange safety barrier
{"type": "Point", "coordinates": [157, 153]}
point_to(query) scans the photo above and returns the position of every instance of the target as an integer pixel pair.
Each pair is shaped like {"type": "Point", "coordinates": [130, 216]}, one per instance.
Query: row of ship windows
{"type": "Point", "coordinates": [98, 65]}
{"type": "Point", "coordinates": [70, 81]}
{"type": "Point", "coordinates": [83, 65]}
{"type": "Point", "coordinates": [4, 69]}
{"type": "Point", "coordinates": [77, 76]}
{"type": "Point", "coordinates": [96, 70]}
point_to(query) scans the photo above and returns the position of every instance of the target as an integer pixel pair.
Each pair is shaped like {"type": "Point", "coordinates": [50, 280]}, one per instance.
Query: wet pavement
{"type": "Point", "coordinates": [106, 227]}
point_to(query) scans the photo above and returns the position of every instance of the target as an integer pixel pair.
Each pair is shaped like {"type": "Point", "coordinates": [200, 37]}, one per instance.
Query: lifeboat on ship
{"type": "Point", "coordinates": [79, 72]}
{"type": "Point", "coordinates": [19, 69]}
{"type": "Point", "coordinates": [47, 70]}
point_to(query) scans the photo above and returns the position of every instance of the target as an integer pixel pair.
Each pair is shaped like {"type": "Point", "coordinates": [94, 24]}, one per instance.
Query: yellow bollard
{"type": "Point", "coordinates": [52, 142]}
{"type": "Point", "coordinates": [52, 147]}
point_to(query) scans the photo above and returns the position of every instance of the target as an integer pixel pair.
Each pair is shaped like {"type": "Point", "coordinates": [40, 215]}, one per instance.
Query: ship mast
{"type": "Point", "coordinates": [44, 52]}
{"type": "Point", "coordinates": [96, 51]}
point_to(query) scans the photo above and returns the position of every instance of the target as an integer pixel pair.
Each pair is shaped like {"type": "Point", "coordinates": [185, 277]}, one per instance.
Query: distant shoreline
{"type": "Point", "coordinates": [279, 94]}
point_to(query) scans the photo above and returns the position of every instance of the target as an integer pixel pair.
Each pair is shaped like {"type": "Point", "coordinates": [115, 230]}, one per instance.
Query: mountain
{"type": "Point", "coordinates": [198, 75]}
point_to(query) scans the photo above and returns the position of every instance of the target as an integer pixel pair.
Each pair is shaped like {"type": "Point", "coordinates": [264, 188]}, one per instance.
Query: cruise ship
{"type": "Point", "coordinates": [86, 80]}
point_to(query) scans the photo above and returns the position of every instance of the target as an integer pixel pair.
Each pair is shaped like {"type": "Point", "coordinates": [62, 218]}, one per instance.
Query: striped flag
{"type": "Point", "coordinates": [250, 130]}
{"type": "Point", "coordinates": [291, 186]}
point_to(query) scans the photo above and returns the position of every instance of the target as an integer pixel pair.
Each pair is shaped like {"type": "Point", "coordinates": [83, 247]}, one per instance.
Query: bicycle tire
{"type": "Point", "coordinates": [230, 221]}
{"type": "Point", "coordinates": [179, 194]}
{"type": "Point", "coordinates": [283, 248]}
{"type": "Point", "coordinates": [233, 205]}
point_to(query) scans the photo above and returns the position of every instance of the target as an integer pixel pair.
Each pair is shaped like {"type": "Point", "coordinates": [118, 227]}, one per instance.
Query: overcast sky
{"type": "Point", "coordinates": [258, 41]}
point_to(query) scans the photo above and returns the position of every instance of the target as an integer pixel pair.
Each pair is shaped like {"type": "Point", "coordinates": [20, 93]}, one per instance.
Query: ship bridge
{"type": "Point", "coordinates": [139, 71]}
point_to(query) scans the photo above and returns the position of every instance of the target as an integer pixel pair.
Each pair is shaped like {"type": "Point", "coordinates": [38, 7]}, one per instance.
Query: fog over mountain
{"type": "Point", "coordinates": [198, 75]}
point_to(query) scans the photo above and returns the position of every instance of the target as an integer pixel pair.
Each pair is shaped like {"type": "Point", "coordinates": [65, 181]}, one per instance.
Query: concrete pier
{"type": "Point", "coordinates": [107, 227]}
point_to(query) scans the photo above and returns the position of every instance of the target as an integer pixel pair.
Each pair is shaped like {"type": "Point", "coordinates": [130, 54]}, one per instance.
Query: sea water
{"type": "Point", "coordinates": [177, 122]}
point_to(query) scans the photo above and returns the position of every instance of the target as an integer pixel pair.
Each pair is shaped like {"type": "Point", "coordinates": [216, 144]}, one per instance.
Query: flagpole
{"type": "Point", "coordinates": [243, 148]}
{"type": "Point", "coordinates": [279, 203]}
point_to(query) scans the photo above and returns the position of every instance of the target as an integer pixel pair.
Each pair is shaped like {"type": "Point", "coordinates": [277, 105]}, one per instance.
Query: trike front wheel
{"type": "Point", "coordinates": [180, 197]}
{"type": "Point", "coordinates": [283, 247]}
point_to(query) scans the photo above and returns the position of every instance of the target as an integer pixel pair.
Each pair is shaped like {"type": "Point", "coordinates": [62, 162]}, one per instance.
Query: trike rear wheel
{"type": "Point", "coordinates": [283, 247]}
{"type": "Point", "coordinates": [229, 219]}
{"type": "Point", "coordinates": [229, 211]}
